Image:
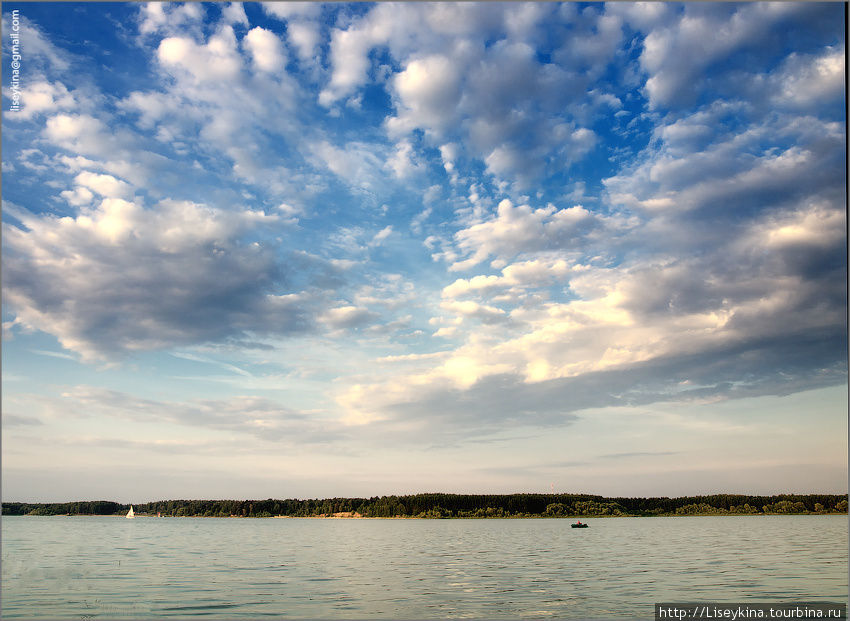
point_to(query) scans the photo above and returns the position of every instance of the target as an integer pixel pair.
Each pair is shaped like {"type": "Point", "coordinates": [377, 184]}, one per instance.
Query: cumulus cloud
{"type": "Point", "coordinates": [521, 275]}
{"type": "Point", "coordinates": [348, 317]}
{"type": "Point", "coordinates": [357, 163]}
{"type": "Point", "coordinates": [427, 409]}
{"type": "Point", "coordinates": [399, 27]}
{"type": "Point", "coordinates": [473, 310]}
{"type": "Point", "coordinates": [701, 38]}
{"type": "Point", "coordinates": [96, 143]}
{"type": "Point", "coordinates": [120, 278]}
{"type": "Point", "coordinates": [727, 280]}
{"type": "Point", "coordinates": [265, 49]}
{"type": "Point", "coordinates": [349, 54]}
{"type": "Point", "coordinates": [81, 133]}
{"type": "Point", "coordinates": [429, 89]}
{"type": "Point", "coordinates": [691, 330]}
{"type": "Point", "coordinates": [305, 36]}
{"type": "Point", "coordinates": [515, 230]}
{"type": "Point", "coordinates": [777, 162]}
{"type": "Point", "coordinates": [234, 13]}
{"type": "Point", "coordinates": [78, 197]}
{"type": "Point", "coordinates": [105, 185]}
{"type": "Point", "coordinates": [43, 57]}
{"type": "Point", "coordinates": [711, 264]}
{"type": "Point", "coordinates": [161, 17]}
{"type": "Point", "coordinates": [510, 108]}
{"type": "Point", "coordinates": [303, 30]}
{"type": "Point", "coordinates": [805, 81]}
{"type": "Point", "coordinates": [43, 98]}
{"type": "Point", "coordinates": [215, 61]}
{"type": "Point", "coordinates": [290, 10]}
{"type": "Point", "coordinates": [254, 114]}
{"type": "Point", "coordinates": [403, 162]}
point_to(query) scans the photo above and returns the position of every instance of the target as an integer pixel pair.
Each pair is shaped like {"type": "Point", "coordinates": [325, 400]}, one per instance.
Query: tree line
{"type": "Point", "coordinates": [457, 506]}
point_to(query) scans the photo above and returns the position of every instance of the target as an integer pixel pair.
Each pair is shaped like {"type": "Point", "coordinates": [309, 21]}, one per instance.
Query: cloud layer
{"type": "Point", "coordinates": [120, 278]}
{"type": "Point", "coordinates": [433, 222]}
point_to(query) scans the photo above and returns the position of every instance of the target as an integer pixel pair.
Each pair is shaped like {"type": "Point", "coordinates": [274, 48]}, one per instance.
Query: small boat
{"type": "Point", "coordinates": [130, 514]}
{"type": "Point", "coordinates": [578, 525]}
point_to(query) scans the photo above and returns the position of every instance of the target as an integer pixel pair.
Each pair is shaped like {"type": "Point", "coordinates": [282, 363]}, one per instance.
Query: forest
{"type": "Point", "coordinates": [437, 505]}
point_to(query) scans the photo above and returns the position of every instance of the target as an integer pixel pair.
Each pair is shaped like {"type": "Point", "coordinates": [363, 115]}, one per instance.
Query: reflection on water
{"type": "Point", "coordinates": [76, 567]}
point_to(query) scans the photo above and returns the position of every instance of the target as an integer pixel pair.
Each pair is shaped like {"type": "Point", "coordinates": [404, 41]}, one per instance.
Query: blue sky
{"type": "Point", "coordinates": [306, 250]}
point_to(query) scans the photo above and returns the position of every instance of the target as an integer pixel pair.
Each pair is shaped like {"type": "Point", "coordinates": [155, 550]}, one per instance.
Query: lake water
{"type": "Point", "coordinates": [111, 567]}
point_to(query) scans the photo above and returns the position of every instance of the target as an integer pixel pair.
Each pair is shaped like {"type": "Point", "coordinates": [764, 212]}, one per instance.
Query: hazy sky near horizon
{"type": "Point", "coordinates": [305, 250]}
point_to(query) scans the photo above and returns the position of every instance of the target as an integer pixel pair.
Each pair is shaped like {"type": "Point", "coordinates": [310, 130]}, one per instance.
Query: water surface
{"type": "Point", "coordinates": [111, 567]}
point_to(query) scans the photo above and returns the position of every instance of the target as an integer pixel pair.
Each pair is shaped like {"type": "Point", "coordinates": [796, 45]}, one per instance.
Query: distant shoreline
{"type": "Point", "coordinates": [401, 517]}
{"type": "Point", "coordinates": [457, 506]}
{"type": "Point", "coordinates": [412, 517]}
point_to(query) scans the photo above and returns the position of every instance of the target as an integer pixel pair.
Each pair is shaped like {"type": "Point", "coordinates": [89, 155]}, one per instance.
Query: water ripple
{"type": "Point", "coordinates": [222, 568]}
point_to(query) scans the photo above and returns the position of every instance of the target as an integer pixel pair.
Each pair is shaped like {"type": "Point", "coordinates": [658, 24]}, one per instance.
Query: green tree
{"type": "Point", "coordinates": [556, 509]}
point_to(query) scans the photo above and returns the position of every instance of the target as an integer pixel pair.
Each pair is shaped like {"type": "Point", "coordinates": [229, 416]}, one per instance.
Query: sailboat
{"type": "Point", "coordinates": [130, 514]}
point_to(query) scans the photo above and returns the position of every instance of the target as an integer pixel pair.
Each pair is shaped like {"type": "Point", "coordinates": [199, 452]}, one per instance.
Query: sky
{"type": "Point", "coordinates": [301, 250]}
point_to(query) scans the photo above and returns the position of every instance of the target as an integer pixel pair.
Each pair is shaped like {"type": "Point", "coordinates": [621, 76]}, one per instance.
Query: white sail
{"type": "Point", "coordinates": [130, 514]}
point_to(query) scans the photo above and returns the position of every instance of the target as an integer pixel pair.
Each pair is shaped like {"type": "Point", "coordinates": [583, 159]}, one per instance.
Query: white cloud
{"type": "Point", "coordinates": [728, 243]}
{"type": "Point", "coordinates": [597, 45]}
{"type": "Point", "coordinates": [535, 273]}
{"type": "Point", "coordinates": [234, 13]}
{"type": "Point", "coordinates": [305, 36]}
{"type": "Point", "coordinates": [78, 132]}
{"type": "Point", "coordinates": [400, 28]}
{"type": "Point", "coordinates": [42, 57]}
{"type": "Point", "coordinates": [806, 81]}
{"type": "Point", "coordinates": [348, 317]}
{"type": "Point", "coordinates": [403, 162]}
{"type": "Point", "coordinates": [289, 10]}
{"type": "Point", "coordinates": [43, 98]}
{"type": "Point", "coordinates": [720, 175]}
{"type": "Point", "coordinates": [265, 48]}
{"type": "Point", "coordinates": [290, 212]}
{"type": "Point", "coordinates": [215, 61]}
{"type": "Point", "coordinates": [349, 54]}
{"type": "Point", "coordinates": [153, 107]}
{"type": "Point", "coordinates": [449, 153]}
{"type": "Point", "coordinates": [515, 230]}
{"type": "Point", "coordinates": [256, 110]}
{"type": "Point", "coordinates": [524, 21]}
{"type": "Point", "coordinates": [677, 55]}
{"type": "Point", "coordinates": [105, 185]}
{"type": "Point", "coordinates": [473, 310]}
{"type": "Point", "coordinates": [381, 235]}
{"type": "Point", "coordinates": [511, 110]}
{"type": "Point", "coordinates": [120, 278]}
{"type": "Point", "coordinates": [816, 225]}
{"type": "Point", "coordinates": [429, 91]}
{"type": "Point", "coordinates": [303, 29]}
{"type": "Point", "coordinates": [356, 162]}
{"type": "Point", "coordinates": [736, 242]}
{"type": "Point", "coordinates": [645, 16]}
{"type": "Point", "coordinates": [161, 17]}
{"type": "Point", "coordinates": [78, 197]}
